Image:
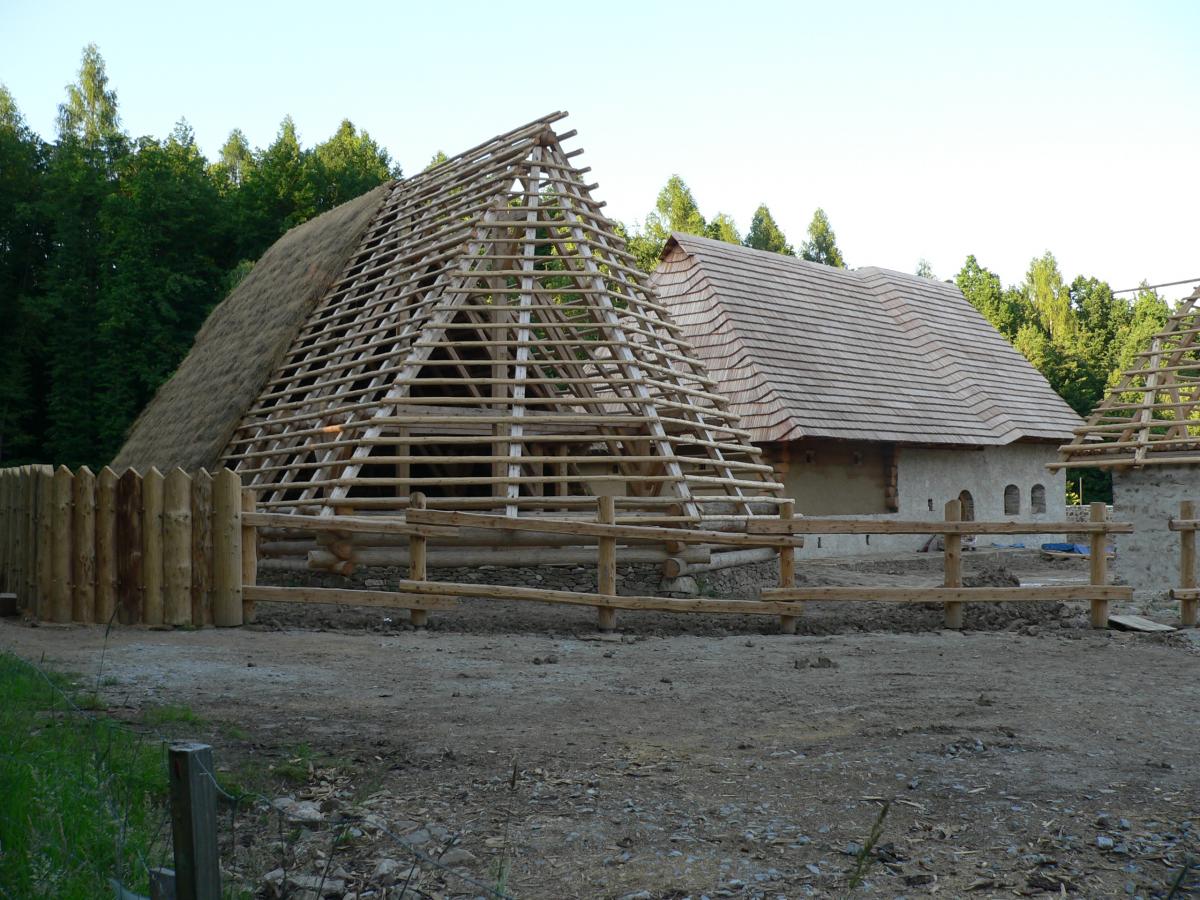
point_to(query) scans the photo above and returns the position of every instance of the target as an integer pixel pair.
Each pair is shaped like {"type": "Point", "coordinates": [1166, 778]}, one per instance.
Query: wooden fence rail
{"type": "Point", "coordinates": [136, 549]}
{"type": "Point", "coordinates": [1187, 594]}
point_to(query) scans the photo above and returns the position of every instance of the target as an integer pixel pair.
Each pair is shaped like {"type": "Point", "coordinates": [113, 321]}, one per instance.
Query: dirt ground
{"type": "Point", "coordinates": [687, 756]}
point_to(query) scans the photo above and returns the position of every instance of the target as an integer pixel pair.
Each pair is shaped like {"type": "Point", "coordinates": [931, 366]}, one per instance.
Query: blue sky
{"type": "Point", "coordinates": [925, 130]}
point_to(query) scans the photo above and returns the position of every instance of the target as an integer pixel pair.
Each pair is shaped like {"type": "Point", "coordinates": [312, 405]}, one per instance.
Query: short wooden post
{"type": "Point", "coordinates": [227, 549]}
{"type": "Point", "coordinates": [953, 564]}
{"type": "Point", "coordinates": [7, 532]}
{"type": "Point", "coordinates": [45, 544]}
{"type": "Point", "coordinates": [60, 596]}
{"type": "Point", "coordinates": [418, 568]}
{"type": "Point", "coordinates": [29, 599]}
{"type": "Point", "coordinates": [129, 548]}
{"type": "Point", "coordinates": [106, 545]}
{"type": "Point", "coordinates": [152, 546]}
{"type": "Point", "coordinates": [787, 567]}
{"type": "Point", "coordinates": [606, 581]}
{"type": "Point", "coordinates": [1187, 564]}
{"type": "Point", "coordinates": [83, 542]}
{"type": "Point", "coordinates": [202, 548]}
{"type": "Point", "coordinates": [1099, 567]}
{"type": "Point", "coordinates": [193, 792]}
{"type": "Point", "coordinates": [177, 548]}
{"type": "Point", "coordinates": [249, 552]}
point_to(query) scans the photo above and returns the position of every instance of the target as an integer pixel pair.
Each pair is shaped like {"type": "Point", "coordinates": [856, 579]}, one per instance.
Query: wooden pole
{"type": "Point", "coordinates": [7, 532]}
{"type": "Point", "coordinates": [953, 564]}
{"type": "Point", "coordinates": [193, 790]}
{"type": "Point", "coordinates": [106, 545]}
{"type": "Point", "coordinates": [418, 562]}
{"type": "Point", "coordinates": [202, 548]}
{"type": "Point", "coordinates": [1099, 567]}
{"type": "Point", "coordinates": [787, 567]}
{"type": "Point", "coordinates": [129, 548]}
{"type": "Point", "coordinates": [1187, 565]}
{"type": "Point", "coordinates": [29, 595]}
{"type": "Point", "coordinates": [152, 546]}
{"type": "Point", "coordinates": [177, 548]}
{"type": "Point", "coordinates": [60, 596]}
{"type": "Point", "coordinates": [227, 549]}
{"type": "Point", "coordinates": [83, 541]}
{"type": "Point", "coordinates": [249, 553]}
{"type": "Point", "coordinates": [45, 544]}
{"type": "Point", "coordinates": [606, 616]}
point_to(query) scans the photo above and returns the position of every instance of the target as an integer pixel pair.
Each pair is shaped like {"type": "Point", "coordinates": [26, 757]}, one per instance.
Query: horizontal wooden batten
{"type": "Point", "coordinates": [597, 529]}
{"type": "Point", "coordinates": [389, 599]}
{"type": "Point", "coordinates": [1051, 593]}
{"type": "Point", "coordinates": [897, 526]}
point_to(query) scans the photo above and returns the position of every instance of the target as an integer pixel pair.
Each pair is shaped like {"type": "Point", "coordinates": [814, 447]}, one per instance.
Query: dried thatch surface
{"type": "Point", "coordinates": [193, 415]}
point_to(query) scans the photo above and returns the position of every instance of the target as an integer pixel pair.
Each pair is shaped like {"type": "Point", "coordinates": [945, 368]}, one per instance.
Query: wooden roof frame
{"type": "Point", "coordinates": [491, 307]}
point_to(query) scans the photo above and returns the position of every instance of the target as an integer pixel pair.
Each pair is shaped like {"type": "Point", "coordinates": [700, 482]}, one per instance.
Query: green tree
{"type": "Point", "coordinates": [1007, 310]}
{"type": "Point", "coordinates": [821, 246]}
{"type": "Point", "coordinates": [1050, 297]}
{"type": "Point", "coordinates": [350, 163]}
{"type": "Point", "coordinates": [722, 228]}
{"type": "Point", "coordinates": [437, 159]}
{"type": "Point", "coordinates": [765, 234]}
{"type": "Point", "coordinates": [925, 270]}
{"type": "Point", "coordinates": [235, 163]}
{"type": "Point", "coordinates": [90, 110]}
{"type": "Point", "coordinates": [277, 193]}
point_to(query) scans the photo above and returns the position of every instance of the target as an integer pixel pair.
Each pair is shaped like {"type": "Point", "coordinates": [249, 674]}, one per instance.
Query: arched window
{"type": "Point", "coordinates": [1012, 500]}
{"type": "Point", "coordinates": [1037, 499]}
{"type": "Point", "coordinates": [968, 506]}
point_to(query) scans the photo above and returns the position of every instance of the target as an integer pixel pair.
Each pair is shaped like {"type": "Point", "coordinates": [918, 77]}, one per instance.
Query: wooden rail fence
{"type": "Point", "coordinates": [420, 594]}
{"type": "Point", "coordinates": [131, 548]}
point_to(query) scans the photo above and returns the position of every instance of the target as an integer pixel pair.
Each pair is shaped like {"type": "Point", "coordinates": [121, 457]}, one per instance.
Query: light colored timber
{"type": "Point", "coordinates": [44, 544]}
{"type": "Point", "coordinates": [787, 566]}
{"type": "Point", "coordinates": [83, 545]}
{"type": "Point", "coordinates": [202, 549]}
{"type": "Point", "coordinates": [606, 563]}
{"type": "Point", "coordinates": [227, 549]}
{"type": "Point", "coordinates": [767, 526]}
{"type": "Point", "coordinates": [1049, 593]}
{"type": "Point", "coordinates": [327, 559]}
{"type": "Point", "coordinates": [594, 529]}
{"type": "Point", "coordinates": [60, 598]}
{"type": "Point", "coordinates": [106, 546]}
{"type": "Point", "coordinates": [1099, 566]}
{"type": "Point", "coordinates": [177, 548]}
{"type": "Point", "coordinates": [573, 598]}
{"type": "Point", "coordinates": [249, 554]}
{"type": "Point", "coordinates": [152, 547]}
{"type": "Point", "coordinates": [1187, 563]}
{"type": "Point", "coordinates": [418, 562]}
{"type": "Point", "coordinates": [952, 566]}
{"type": "Point", "coordinates": [388, 599]}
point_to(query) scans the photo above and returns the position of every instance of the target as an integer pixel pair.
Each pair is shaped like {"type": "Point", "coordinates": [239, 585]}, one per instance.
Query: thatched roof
{"type": "Point", "coordinates": [1152, 415]}
{"type": "Point", "coordinates": [806, 350]}
{"type": "Point", "coordinates": [193, 415]}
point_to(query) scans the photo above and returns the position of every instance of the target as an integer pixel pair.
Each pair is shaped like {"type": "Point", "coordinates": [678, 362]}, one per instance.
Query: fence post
{"type": "Point", "coordinates": [32, 481]}
{"type": "Point", "coordinates": [249, 552]}
{"type": "Point", "coordinates": [7, 531]}
{"type": "Point", "coordinates": [1187, 564]}
{"type": "Point", "coordinates": [202, 548]}
{"type": "Point", "coordinates": [190, 776]}
{"type": "Point", "coordinates": [177, 548]}
{"type": "Point", "coordinates": [152, 546]}
{"type": "Point", "coordinates": [1099, 560]}
{"type": "Point", "coordinates": [129, 548]}
{"type": "Point", "coordinates": [418, 568]}
{"type": "Point", "coordinates": [60, 595]}
{"type": "Point", "coordinates": [953, 564]}
{"type": "Point", "coordinates": [83, 539]}
{"type": "Point", "coordinates": [227, 549]}
{"type": "Point", "coordinates": [45, 544]}
{"type": "Point", "coordinates": [106, 545]}
{"type": "Point", "coordinates": [606, 582]}
{"type": "Point", "coordinates": [787, 567]}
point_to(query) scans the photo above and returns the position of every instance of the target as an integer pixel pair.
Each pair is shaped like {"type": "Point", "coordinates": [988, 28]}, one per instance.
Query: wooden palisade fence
{"type": "Point", "coordinates": [134, 549]}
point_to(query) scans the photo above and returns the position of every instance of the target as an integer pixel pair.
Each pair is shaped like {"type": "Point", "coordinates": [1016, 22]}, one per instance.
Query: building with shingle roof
{"type": "Point", "coordinates": [871, 392]}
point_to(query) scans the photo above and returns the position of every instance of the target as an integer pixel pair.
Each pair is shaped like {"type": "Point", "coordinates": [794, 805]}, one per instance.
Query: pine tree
{"type": "Point", "coordinates": [821, 246]}
{"type": "Point", "coordinates": [348, 164]}
{"type": "Point", "coordinates": [765, 234]}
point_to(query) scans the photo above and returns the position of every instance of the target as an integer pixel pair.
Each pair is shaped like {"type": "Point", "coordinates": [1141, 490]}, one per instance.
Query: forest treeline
{"type": "Point", "coordinates": [114, 249]}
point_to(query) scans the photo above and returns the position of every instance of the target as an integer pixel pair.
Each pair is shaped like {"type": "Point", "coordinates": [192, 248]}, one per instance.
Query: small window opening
{"type": "Point", "coordinates": [930, 502]}
{"type": "Point", "coordinates": [1012, 500]}
{"type": "Point", "coordinates": [968, 506]}
{"type": "Point", "coordinates": [1037, 499]}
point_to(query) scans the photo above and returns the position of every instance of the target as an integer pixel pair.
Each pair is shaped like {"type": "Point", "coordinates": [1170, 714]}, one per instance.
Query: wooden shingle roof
{"type": "Point", "coordinates": [806, 350]}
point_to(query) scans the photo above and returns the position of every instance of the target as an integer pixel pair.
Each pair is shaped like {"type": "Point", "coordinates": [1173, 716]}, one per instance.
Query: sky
{"type": "Point", "coordinates": [925, 130]}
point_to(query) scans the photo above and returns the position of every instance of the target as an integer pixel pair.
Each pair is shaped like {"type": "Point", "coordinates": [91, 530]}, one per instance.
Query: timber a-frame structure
{"type": "Point", "coordinates": [491, 344]}
{"type": "Point", "coordinates": [1152, 415]}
